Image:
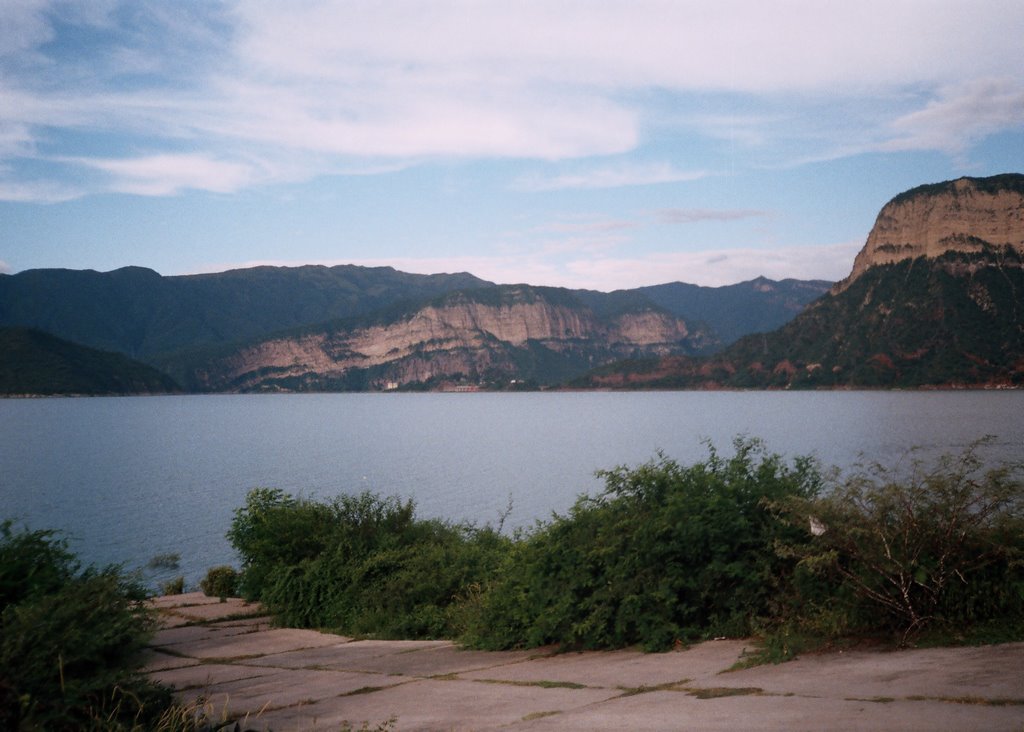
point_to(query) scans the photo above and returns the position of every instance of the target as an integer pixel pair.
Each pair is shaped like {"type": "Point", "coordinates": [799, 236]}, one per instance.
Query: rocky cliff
{"type": "Point", "coordinates": [967, 215]}
{"type": "Point", "coordinates": [496, 335]}
{"type": "Point", "coordinates": [935, 299]}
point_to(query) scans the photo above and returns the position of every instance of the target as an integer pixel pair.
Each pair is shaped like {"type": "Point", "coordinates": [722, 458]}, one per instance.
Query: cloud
{"type": "Point", "coordinates": [19, 191]}
{"type": "Point", "coordinates": [735, 45]}
{"type": "Point", "coordinates": [327, 87]}
{"type": "Point", "coordinates": [698, 215]}
{"type": "Point", "coordinates": [5, 268]}
{"type": "Point", "coordinates": [618, 176]}
{"type": "Point", "coordinates": [161, 175]}
{"type": "Point", "coordinates": [25, 27]}
{"type": "Point", "coordinates": [960, 116]}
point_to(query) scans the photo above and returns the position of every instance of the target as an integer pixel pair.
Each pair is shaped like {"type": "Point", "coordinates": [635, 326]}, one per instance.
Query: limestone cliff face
{"type": "Point", "coordinates": [459, 336]}
{"type": "Point", "coordinates": [965, 215]}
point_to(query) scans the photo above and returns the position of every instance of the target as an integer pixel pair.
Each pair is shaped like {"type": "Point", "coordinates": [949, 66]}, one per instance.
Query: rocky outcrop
{"type": "Point", "coordinates": [968, 215]}
{"type": "Point", "coordinates": [465, 334]}
{"type": "Point", "coordinates": [935, 300]}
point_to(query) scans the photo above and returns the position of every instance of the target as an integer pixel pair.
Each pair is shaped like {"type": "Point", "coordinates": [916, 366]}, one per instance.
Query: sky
{"type": "Point", "coordinates": [586, 144]}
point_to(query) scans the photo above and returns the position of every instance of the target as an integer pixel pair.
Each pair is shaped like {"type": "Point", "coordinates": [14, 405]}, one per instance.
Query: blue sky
{"type": "Point", "coordinates": [583, 144]}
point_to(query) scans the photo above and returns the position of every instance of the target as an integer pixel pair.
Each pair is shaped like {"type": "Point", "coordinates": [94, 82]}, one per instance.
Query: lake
{"type": "Point", "coordinates": [130, 478]}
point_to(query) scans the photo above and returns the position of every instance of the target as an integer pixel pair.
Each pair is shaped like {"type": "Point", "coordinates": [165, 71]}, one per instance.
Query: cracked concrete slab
{"type": "Point", "coordinates": [191, 633]}
{"type": "Point", "coordinates": [437, 705]}
{"type": "Point", "coordinates": [205, 676]}
{"type": "Point", "coordinates": [438, 660]}
{"type": "Point", "coordinates": [622, 669]}
{"type": "Point", "coordinates": [250, 645]}
{"type": "Point", "coordinates": [288, 690]}
{"type": "Point", "coordinates": [936, 672]}
{"type": "Point", "coordinates": [345, 654]}
{"type": "Point", "coordinates": [155, 660]}
{"type": "Point", "coordinates": [281, 679]}
{"type": "Point", "coordinates": [676, 710]}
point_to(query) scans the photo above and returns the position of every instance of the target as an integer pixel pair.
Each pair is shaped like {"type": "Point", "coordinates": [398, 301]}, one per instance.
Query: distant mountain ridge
{"type": "Point", "coordinates": [930, 302]}
{"type": "Point", "coordinates": [138, 312]}
{"type": "Point", "coordinates": [733, 311]}
{"type": "Point", "coordinates": [34, 363]}
{"type": "Point", "coordinates": [191, 326]}
{"type": "Point", "coordinates": [493, 335]}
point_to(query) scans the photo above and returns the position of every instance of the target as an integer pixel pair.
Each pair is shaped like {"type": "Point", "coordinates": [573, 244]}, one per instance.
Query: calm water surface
{"type": "Point", "coordinates": [130, 478]}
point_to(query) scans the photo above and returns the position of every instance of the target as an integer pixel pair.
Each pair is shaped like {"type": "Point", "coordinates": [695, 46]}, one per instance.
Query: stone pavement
{"type": "Point", "coordinates": [227, 656]}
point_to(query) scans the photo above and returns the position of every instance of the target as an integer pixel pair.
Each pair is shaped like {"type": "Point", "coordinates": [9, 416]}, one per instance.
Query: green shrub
{"type": "Point", "coordinates": [939, 544]}
{"type": "Point", "coordinates": [663, 554]}
{"type": "Point", "coordinates": [275, 530]}
{"type": "Point", "coordinates": [666, 552]}
{"type": "Point", "coordinates": [174, 586]}
{"type": "Point", "coordinates": [361, 564]}
{"type": "Point", "coordinates": [220, 582]}
{"type": "Point", "coordinates": [32, 563]}
{"type": "Point", "coordinates": [70, 641]}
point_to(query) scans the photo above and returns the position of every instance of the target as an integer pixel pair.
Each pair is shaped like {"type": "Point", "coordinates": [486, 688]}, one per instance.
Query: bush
{"type": "Point", "coordinates": [665, 553]}
{"type": "Point", "coordinates": [220, 582]}
{"type": "Point", "coordinates": [70, 640]}
{"type": "Point", "coordinates": [174, 586]}
{"type": "Point", "coordinates": [364, 565]}
{"type": "Point", "coordinates": [935, 545]}
{"type": "Point", "coordinates": [729, 546]}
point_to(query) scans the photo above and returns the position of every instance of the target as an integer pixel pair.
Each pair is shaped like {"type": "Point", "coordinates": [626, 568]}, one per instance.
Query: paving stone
{"type": "Point", "coordinates": [622, 669]}
{"type": "Point", "coordinates": [204, 676]}
{"type": "Point", "coordinates": [248, 645]}
{"type": "Point", "coordinates": [215, 610]}
{"type": "Point", "coordinates": [179, 635]}
{"type": "Point", "coordinates": [347, 655]}
{"type": "Point", "coordinates": [154, 660]}
{"type": "Point", "coordinates": [441, 661]}
{"type": "Point", "coordinates": [303, 680]}
{"type": "Point", "coordinates": [277, 689]}
{"type": "Point", "coordinates": [434, 705]}
{"type": "Point", "coordinates": [415, 658]}
{"type": "Point", "coordinates": [673, 710]}
{"type": "Point", "coordinates": [984, 671]}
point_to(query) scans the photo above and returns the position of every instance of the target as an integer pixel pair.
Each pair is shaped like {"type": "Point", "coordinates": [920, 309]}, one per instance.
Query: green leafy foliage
{"type": "Point", "coordinates": [174, 586]}
{"type": "Point", "coordinates": [933, 545]}
{"type": "Point", "coordinates": [739, 545]}
{"type": "Point", "coordinates": [362, 564]}
{"type": "Point", "coordinates": [220, 582]}
{"type": "Point", "coordinates": [70, 641]}
{"type": "Point", "coordinates": [665, 553]}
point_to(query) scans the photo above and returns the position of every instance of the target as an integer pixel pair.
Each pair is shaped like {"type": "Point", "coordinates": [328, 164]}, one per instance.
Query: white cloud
{"type": "Point", "coordinates": [161, 175]}
{"type": "Point", "coordinates": [24, 27]}
{"type": "Point", "coordinates": [617, 176]}
{"type": "Point", "coordinates": [960, 116]}
{"type": "Point", "coordinates": [698, 215]}
{"type": "Point", "coordinates": [739, 45]}
{"type": "Point", "coordinates": [5, 268]}
{"type": "Point", "coordinates": [322, 87]}
{"type": "Point", "coordinates": [21, 191]}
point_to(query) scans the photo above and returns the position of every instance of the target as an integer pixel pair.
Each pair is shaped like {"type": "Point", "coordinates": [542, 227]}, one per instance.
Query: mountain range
{"type": "Point", "coordinates": [933, 299]}
{"type": "Point", "coordinates": [354, 328]}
